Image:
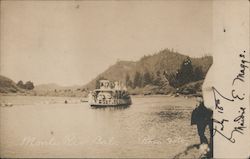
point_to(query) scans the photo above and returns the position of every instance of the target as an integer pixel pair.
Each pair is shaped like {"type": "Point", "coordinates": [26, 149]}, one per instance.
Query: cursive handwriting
{"type": "Point", "coordinates": [234, 124]}
{"type": "Point", "coordinates": [220, 109]}
{"type": "Point", "coordinates": [230, 138]}
{"type": "Point", "coordinates": [241, 118]}
{"type": "Point", "coordinates": [221, 123]}
{"type": "Point", "coordinates": [217, 101]}
{"type": "Point", "coordinates": [228, 126]}
{"type": "Point", "coordinates": [236, 96]}
{"type": "Point", "coordinates": [241, 76]}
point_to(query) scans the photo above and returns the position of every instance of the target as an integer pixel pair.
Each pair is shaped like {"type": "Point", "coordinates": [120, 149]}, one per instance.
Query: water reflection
{"type": "Point", "coordinates": [120, 107]}
{"type": "Point", "coordinates": [171, 115]}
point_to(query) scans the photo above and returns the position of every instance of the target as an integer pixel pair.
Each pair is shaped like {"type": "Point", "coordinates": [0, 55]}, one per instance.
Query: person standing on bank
{"type": "Point", "coordinates": [202, 117]}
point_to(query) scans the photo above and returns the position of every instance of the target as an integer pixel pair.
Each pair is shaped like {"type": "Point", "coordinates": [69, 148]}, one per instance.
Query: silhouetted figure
{"type": "Point", "coordinates": [202, 117]}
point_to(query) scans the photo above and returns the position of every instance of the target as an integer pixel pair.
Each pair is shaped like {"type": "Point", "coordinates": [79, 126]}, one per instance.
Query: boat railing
{"type": "Point", "coordinates": [107, 101]}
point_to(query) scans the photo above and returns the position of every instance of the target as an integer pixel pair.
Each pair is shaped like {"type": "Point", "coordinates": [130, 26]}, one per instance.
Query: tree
{"type": "Point", "coordinates": [172, 79]}
{"type": "Point", "coordinates": [185, 74]}
{"type": "Point", "coordinates": [128, 81]}
{"type": "Point", "coordinates": [20, 84]}
{"type": "Point", "coordinates": [137, 80]}
{"type": "Point", "coordinates": [198, 74]}
{"type": "Point", "coordinates": [29, 85]}
{"type": "Point", "coordinates": [147, 79]}
{"type": "Point", "coordinates": [156, 79]}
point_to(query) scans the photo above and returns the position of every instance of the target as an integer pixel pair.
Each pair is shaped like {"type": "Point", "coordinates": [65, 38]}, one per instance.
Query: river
{"type": "Point", "coordinates": [153, 126]}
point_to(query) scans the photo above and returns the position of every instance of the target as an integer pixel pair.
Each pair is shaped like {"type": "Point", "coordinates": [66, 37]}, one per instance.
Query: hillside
{"type": "Point", "coordinates": [8, 86]}
{"type": "Point", "coordinates": [155, 67]}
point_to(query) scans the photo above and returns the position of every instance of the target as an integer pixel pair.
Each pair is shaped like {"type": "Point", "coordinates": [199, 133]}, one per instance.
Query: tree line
{"type": "Point", "coordinates": [27, 85]}
{"type": "Point", "coordinates": [185, 74]}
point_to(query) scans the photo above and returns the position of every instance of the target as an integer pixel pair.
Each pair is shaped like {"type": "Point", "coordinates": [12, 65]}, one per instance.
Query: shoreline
{"type": "Point", "coordinates": [136, 96]}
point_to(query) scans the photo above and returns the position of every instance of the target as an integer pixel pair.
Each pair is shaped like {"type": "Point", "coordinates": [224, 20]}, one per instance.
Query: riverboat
{"type": "Point", "coordinates": [109, 94]}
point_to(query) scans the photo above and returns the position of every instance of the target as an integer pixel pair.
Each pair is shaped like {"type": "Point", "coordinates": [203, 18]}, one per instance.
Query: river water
{"type": "Point", "coordinates": [153, 126]}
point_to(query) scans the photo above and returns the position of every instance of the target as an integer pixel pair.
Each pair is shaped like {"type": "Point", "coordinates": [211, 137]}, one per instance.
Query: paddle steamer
{"type": "Point", "coordinates": [109, 94]}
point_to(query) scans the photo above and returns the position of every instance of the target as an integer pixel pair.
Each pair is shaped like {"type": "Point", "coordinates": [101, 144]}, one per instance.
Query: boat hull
{"type": "Point", "coordinates": [108, 105]}
{"type": "Point", "coordinates": [119, 102]}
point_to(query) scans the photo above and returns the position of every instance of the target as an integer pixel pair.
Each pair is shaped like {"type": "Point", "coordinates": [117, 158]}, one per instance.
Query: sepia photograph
{"type": "Point", "coordinates": [107, 79]}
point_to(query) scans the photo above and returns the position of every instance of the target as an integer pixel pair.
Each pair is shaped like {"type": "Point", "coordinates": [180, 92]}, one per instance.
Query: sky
{"type": "Point", "coordinates": [71, 42]}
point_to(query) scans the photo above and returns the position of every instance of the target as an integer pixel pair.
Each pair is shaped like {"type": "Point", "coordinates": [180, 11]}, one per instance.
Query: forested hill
{"type": "Point", "coordinates": [8, 86]}
{"type": "Point", "coordinates": [163, 69]}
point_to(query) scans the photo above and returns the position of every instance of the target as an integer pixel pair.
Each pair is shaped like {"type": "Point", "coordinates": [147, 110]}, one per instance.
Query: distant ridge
{"type": "Point", "coordinates": [49, 86]}
{"type": "Point", "coordinates": [53, 86]}
{"type": "Point", "coordinates": [163, 61]}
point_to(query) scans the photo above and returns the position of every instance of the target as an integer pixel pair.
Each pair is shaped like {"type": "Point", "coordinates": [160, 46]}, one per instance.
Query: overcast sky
{"type": "Point", "coordinates": [70, 42]}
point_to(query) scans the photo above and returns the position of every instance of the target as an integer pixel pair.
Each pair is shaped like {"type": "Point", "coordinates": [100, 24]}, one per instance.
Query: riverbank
{"type": "Point", "coordinates": [189, 90]}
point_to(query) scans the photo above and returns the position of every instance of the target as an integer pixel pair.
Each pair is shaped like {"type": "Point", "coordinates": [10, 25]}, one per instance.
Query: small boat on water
{"type": "Point", "coordinates": [109, 94]}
